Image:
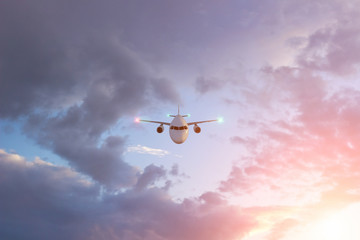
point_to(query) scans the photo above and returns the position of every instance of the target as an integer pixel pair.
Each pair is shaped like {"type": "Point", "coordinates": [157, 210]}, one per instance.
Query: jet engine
{"type": "Point", "coordinates": [160, 129]}
{"type": "Point", "coordinates": [197, 129]}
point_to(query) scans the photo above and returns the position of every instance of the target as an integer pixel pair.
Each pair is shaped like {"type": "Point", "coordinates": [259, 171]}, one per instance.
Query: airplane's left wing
{"type": "Point", "coordinates": [163, 123]}
{"type": "Point", "coordinates": [192, 123]}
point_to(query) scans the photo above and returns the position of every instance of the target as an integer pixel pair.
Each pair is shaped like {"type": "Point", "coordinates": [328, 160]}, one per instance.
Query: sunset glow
{"type": "Point", "coordinates": [342, 224]}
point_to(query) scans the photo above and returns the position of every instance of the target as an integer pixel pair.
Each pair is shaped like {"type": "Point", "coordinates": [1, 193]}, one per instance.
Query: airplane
{"type": "Point", "coordinates": [179, 128]}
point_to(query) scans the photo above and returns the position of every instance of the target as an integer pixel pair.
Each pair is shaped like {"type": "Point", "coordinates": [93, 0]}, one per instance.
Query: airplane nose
{"type": "Point", "coordinates": [179, 136]}
{"type": "Point", "coordinates": [177, 141]}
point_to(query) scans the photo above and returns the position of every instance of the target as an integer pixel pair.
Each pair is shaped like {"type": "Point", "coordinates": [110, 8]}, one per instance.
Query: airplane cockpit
{"type": "Point", "coordinates": [178, 128]}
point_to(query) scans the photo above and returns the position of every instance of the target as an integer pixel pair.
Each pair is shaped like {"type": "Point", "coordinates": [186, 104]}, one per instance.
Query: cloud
{"type": "Point", "coordinates": [149, 176]}
{"type": "Point", "coordinates": [147, 150]}
{"type": "Point", "coordinates": [163, 89]}
{"type": "Point", "coordinates": [47, 201]}
{"type": "Point", "coordinates": [309, 141]}
{"type": "Point", "coordinates": [237, 139]}
{"type": "Point", "coordinates": [308, 156]}
{"type": "Point", "coordinates": [303, 152]}
{"type": "Point", "coordinates": [204, 85]}
{"type": "Point", "coordinates": [43, 200]}
{"type": "Point", "coordinates": [212, 198]}
{"type": "Point", "coordinates": [296, 42]}
{"type": "Point", "coordinates": [333, 49]}
{"type": "Point", "coordinates": [70, 85]}
{"type": "Point", "coordinates": [75, 138]}
{"type": "Point", "coordinates": [49, 61]}
{"type": "Point", "coordinates": [279, 230]}
{"type": "Point", "coordinates": [36, 68]}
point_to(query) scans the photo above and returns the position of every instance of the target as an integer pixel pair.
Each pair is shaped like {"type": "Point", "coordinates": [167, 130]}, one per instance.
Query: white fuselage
{"type": "Point", "coordinates": [179, 129]}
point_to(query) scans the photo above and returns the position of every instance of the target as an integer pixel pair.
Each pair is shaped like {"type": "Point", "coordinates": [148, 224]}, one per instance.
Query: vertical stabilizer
{"type": "Point", "coordinates": [177, 113]}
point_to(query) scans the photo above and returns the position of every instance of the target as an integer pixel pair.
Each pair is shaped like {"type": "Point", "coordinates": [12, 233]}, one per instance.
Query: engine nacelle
{"type": "Point", "coordinates": [160, 129]}
{"type": "Point", "coordinates": [197, 129]}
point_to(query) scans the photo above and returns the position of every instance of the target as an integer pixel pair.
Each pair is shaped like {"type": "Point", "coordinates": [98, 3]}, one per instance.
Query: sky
{"type": "Point", "coordinates": [284, 76]}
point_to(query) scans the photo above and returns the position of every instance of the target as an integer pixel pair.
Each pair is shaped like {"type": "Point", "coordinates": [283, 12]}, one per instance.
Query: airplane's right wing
{"type": "Point", "coordinates": [192, 123]}
{"type": "Point", "coordinates": [163, 123]}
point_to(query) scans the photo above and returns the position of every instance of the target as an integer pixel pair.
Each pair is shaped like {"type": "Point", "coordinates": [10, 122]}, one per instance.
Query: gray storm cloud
{"type": "Point", "coordinates": [72, 84]}
{"type": "Point", "coordinates": [52, 202]}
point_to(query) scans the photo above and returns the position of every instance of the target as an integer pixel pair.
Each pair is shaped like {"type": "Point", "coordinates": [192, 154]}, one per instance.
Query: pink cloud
{"type": "Point", "coordinates": [309, 159]}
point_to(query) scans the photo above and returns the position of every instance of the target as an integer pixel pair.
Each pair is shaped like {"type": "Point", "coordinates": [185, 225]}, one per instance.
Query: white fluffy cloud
{"type": "Point", "coordinates": [148, 150]}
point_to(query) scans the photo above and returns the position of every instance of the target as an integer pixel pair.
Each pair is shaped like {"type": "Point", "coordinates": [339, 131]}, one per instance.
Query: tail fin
{"type": "Point", "coordinates": [178, 113]}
